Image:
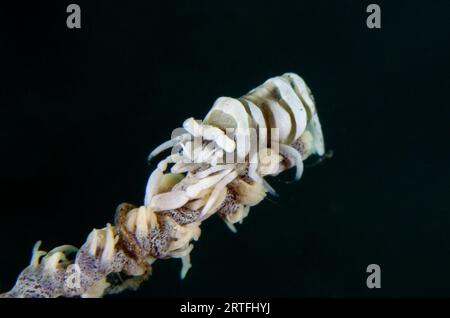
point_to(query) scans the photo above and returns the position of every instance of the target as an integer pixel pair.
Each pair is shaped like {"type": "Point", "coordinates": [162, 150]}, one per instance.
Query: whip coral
{"type": "Point", "coordinates": [216, 166]}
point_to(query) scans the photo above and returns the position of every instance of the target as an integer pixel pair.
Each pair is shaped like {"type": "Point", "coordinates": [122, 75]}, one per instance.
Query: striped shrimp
{"type": "Point", "coordinates": [216, 166]}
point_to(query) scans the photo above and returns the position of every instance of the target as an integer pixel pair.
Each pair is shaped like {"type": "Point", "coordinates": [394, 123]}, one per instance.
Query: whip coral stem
{"type": "Point", "coordinates": [216, 169]}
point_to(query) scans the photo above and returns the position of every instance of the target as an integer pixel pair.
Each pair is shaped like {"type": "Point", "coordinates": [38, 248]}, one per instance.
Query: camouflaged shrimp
{"type": "Point", "coordinates": [215, 169]}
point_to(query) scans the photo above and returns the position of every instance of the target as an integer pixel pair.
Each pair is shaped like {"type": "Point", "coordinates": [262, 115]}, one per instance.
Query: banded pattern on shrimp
{"type": "Point", "coordinates": [270, 129]}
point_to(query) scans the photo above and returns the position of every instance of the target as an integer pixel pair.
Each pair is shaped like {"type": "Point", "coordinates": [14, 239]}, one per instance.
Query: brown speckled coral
{"type": "Point", "coordinates": [217, 166]}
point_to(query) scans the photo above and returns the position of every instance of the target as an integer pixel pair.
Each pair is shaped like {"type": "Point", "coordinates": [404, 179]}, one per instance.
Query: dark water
{"type": "Point", "coordinates": [80, 110]}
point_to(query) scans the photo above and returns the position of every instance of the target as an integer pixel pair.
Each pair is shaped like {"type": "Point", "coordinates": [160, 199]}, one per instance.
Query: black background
{"type": "Point", "coordinates": [81, 109]}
